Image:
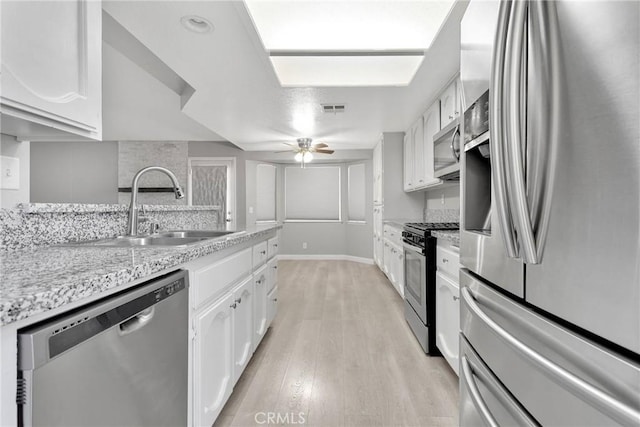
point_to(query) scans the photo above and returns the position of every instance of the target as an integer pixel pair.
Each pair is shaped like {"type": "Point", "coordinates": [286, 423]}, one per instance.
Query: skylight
{"type": "Point", "coordinates": [331, 42]}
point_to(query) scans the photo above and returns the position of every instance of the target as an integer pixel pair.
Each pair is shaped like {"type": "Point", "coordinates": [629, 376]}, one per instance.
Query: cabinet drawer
{"type": "Point", "coordinates": [259, 254]}
{"type": "Point", "coordinates": [448, 261]}
{"type": "Point", "coordinates": [272, 249]}
{"type": "Point", "coordinates": [212, 279]}
{"type": "Point", "coordinates": [393, 233]}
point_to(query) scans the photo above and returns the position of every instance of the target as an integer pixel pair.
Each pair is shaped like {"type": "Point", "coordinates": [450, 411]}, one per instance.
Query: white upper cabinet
{"type": "Point", "coordinates": [449, 104]}
{"type": "Point", "coordinates": [52, 66]}
{"type": "Point", "coordinates": [431, 120]}
{"type": "Point", "coordinates": [419, 178]}
{"type": "Point", "coordinates": [377, 174]}
{"type": "Point", "coordinates": [408, 161]}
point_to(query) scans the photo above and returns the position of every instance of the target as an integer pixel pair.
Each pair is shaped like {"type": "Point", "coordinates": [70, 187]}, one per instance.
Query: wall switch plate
{"type": "Point", "coordinates": [250, 209]}
{"type": "Point", "coordinates": [9, 173]}
{"type": "Point", "coordinates": [304, 245]}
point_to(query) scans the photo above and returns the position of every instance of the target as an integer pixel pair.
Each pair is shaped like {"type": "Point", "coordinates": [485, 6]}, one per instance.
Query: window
{"type": "Point", "coordinates": [266, 192]}
{"type": "Point", "coordinates": [356, 192]}
{"type": "Point", "coordinates": [312, 193]}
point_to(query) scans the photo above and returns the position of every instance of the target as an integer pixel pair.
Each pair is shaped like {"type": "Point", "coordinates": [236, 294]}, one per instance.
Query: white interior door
{"type": "Point", "coordinates": [212, 182]}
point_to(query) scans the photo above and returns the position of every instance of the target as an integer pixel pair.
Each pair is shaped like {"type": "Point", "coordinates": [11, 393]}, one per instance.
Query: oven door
{"type": "Point", "coordinates": [415, 279]}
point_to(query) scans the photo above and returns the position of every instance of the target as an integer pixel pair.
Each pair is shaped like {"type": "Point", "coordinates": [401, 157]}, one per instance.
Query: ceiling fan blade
{"type": "Point", "coordinates": [320, 145]}
{"type": "Point", "coordinates": [291, 145]}
{"type": "Point", "coordinates": [324, 151]}
{"type": "Point", "coordinates": [286, 151]}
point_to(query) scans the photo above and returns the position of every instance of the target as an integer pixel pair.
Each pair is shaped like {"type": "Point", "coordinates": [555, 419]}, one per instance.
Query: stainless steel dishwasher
{"type": "Point", "coordinates": [121, 361]}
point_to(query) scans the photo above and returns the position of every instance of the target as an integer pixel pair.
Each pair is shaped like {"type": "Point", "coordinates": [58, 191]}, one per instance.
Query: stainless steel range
{"type": "Point", "coordinates": [420, 280]}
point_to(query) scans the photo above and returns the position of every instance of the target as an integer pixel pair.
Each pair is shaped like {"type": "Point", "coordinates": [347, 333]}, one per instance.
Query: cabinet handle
{"type": "Point", "coordinates": [450, 117]}
{"type": "Point", "coordinates": [444, 260]}
{"type": "Point", "coordinates": [455, 298]}
{"type": "Point", "coordinates": [275, 245]}
{"type": "Point", "coordinates": [239, 300]}
{"type": "Point", "coordinates": [234, 305]}
{"type": "Point", "coordinates": [263, 252]}
{"type": "Point", "coordinates": [275, 300]}
{"type": "Point", "coordinates": [275, 267]}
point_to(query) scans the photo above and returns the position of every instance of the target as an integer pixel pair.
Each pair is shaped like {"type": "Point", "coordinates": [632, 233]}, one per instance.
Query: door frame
{"type": "Point", "coordinates": [230, 162]}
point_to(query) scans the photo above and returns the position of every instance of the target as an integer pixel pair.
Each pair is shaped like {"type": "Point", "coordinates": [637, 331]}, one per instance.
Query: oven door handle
{"type": "Point", "coordinates": [413, 248]}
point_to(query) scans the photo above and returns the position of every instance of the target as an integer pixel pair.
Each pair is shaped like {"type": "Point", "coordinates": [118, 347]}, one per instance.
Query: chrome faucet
{"type": "Point", "coordinates": [132, 225]}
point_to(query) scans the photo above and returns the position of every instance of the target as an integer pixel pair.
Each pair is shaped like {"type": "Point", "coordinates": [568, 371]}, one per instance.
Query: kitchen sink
{"type": "Point", "coordinates": [167, 238]}
{"type": "Point", "coordinates": [195, 233]}
{"type": "Point", "coordinates": [145, 241]}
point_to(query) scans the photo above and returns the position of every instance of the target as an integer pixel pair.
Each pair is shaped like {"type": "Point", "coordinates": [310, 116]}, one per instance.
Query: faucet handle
{"type": "Point", "coordinates": [143, 210]}
{"type": "Point", "coordinates": [154, 227]}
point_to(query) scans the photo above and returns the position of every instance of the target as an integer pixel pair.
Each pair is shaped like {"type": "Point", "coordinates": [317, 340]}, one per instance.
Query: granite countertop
{"type": "Point", "coordinates": [451, 235]}
{"type": "Point", "coordinates": [37, 280]}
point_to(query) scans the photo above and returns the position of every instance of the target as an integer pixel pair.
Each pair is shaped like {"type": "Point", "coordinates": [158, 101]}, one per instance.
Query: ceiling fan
{"type": "Point", "coordinates": [306, 147]}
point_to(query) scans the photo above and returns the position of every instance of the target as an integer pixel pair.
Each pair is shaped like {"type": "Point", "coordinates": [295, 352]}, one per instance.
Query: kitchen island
{"type": "Point", "coordinates": [39, 283]}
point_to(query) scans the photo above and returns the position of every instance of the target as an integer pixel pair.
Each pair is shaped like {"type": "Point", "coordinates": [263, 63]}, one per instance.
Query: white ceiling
{"type": "Point", "coordinates": [237, 95]}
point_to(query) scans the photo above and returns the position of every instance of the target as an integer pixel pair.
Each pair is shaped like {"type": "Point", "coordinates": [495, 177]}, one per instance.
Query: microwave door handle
{"type": "Point", "coordinates": [456, 152]}
{"type": "Point", "coordinates": [497, 131]}
{"type": "Point", "coordinates": [544, 115]}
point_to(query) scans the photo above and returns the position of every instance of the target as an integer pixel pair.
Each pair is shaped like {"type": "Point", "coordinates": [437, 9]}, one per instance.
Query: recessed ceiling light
{"type": "Point", "coordinates": [196, 24]}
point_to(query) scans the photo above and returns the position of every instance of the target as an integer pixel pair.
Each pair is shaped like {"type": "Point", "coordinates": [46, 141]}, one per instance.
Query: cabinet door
{"type": "Point", "coordinates": [272, 305]}
{"type": "Point", "coordinates": [52, 63]}
{"type": "Point", "coordinates": [377, 174]}
{"type": "Point", "coordinates": [419, 178]}
{"type": "Point", "coordinates": [386, 259]}
{"type": "Point", "coordinates": [431, 120]}
{"type": "Point", "coordinates": [408, 161]}
{"type": "Point", "coordinates": [260, 290]}
{"type": "Point", "coordinates": [212, 361]}
{"type": "Point", "coordinates": [449, 105]}
{"type": "Point", "coordinates": [447, 319]}
{"type": "Point", "coordinates": [397, 268]}
{"type": "Point", "coordinates": [242, 326]}
{"type": "Point", "coordinates": [272, 274]}
{"type": "Point", "coordinates": [272, 249]}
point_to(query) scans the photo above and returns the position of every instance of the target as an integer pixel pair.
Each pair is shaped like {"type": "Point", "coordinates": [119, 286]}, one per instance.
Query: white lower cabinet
{"type": "Point", "coordinates": [212, 368]}
{"type": "Point", "coordinates": [231, 311]}
{"type": "Point", "coordinates": [448, 303]}
{"type": "Point", "coordinates": [242, 326]}
{"type": "Point", "coordinates": [260, 290]}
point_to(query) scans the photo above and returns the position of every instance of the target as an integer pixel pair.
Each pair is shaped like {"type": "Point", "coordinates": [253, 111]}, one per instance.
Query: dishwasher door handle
{"type": "Point", "coordinates": [136, 322]}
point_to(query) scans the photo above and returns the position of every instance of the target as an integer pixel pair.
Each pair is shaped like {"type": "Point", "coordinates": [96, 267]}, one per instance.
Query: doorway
{"type": "Point", "coordinates": [212, 182]}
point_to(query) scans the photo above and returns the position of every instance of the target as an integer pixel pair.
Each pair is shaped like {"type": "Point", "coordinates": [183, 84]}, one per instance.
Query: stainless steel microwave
{"type": "Point", "coordinates": [446, 152]}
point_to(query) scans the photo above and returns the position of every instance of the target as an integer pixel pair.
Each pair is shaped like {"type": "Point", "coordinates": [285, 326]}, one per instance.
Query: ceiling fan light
{"type": "Point", "coordinates": [305, 157]}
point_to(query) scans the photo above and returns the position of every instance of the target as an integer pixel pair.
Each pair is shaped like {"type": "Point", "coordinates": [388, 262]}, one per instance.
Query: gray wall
{"type": "Point", "coordinates": [10, 147]}
{"type": "Point", "coordinates": [74, 172]}
{"type": "Point", "coordinates": [344, 238]}
{"type": "Point", "coordinates": [226, 149]}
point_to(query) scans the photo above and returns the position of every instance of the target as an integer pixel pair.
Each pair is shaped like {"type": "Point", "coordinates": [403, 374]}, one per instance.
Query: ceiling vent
{"type": "Point", "coordinates": [333, 108]}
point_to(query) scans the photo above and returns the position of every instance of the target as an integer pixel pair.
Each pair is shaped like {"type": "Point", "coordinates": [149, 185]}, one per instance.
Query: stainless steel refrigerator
{"type": "Point", "coordinates": [550, 234]}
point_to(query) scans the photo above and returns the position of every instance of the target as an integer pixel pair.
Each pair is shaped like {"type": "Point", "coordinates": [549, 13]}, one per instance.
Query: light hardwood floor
{"type": "Point", "coordinates": [341, 353]}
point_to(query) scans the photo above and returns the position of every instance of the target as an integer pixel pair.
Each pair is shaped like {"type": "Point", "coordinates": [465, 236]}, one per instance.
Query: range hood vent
{"type": "Point", "coordinates": [333, 108]}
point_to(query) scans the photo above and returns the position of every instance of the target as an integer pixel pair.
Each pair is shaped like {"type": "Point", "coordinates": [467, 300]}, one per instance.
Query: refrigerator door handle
{"type": "Point", "coordinates": [474, 393]}
{"type": "Point", "coordinates": [545, 112]}
{"type": "Point", "coordinates": [616, 409]}
{"type": "Point", "coordinates": [516, 131]}
{"type": "Point", "coordinates": [469, 370]}
{"type": "Point", "coordinates": [498, 137]}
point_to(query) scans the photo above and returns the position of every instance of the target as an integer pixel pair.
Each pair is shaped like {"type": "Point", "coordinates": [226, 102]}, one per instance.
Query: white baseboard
{"type": "Point", "coordinates": [327, 257]}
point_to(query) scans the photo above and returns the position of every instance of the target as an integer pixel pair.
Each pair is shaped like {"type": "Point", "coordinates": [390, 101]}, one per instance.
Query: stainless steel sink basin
{"type": "Point", "coordinates": [209, 234]}
{"type": "Point", "coordinates": [167, 238]}
{"type": "Point", "coordinates": [146, 241]}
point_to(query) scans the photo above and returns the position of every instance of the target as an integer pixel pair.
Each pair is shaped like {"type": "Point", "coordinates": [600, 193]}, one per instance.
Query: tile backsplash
{"type": "Point", "coordinates": [442, 215]}
{"type": "Point", "coordinates": [41, 224]}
